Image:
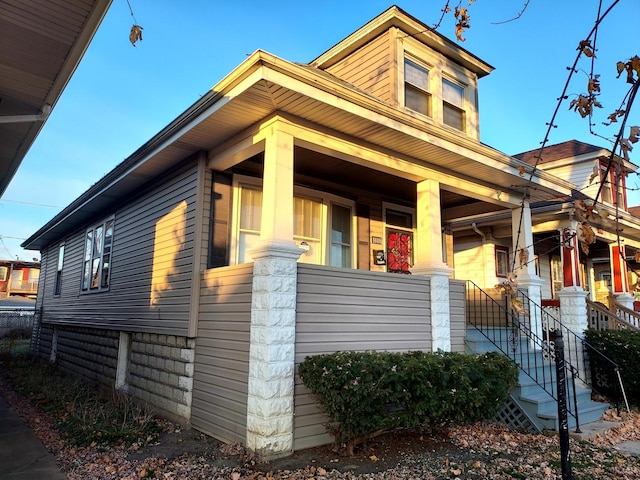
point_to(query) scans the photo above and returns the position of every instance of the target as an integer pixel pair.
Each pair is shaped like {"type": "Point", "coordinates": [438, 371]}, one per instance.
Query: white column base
{"type": "Point", "coordinates": [272, 349]}
{"type": "Point", "coordinates": [440, 305]}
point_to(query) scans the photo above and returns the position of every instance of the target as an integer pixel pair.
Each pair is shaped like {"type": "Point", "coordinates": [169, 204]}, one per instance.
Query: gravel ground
{"type": "Point", "coordinates": [480, 451]}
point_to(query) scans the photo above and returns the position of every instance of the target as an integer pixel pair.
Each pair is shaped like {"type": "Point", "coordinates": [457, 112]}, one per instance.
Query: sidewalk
{"type": "Point", "coordinates": [22, 455]}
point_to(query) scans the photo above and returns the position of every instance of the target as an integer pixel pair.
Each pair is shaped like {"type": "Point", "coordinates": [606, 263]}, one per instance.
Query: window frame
{"type": "Point", "coordinates": [326, 200]}
{"type": "Point", "coordinates": [439, 66]}
{"type": "Point", "coordinates": [428, 93]}
{"type": "Point", "coordinates": [4, 273]}
{"type": "Point", "coordinates": [97, 253]}
{"type": "Point", "coordinates": [460, 108]}
{"type": "Point", "coordinates": [498, 251]}
{"type": "Point", "coordinates": [57, 286]}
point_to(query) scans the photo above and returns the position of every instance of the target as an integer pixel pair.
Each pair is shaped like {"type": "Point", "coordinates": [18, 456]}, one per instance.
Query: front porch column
{"type": "Point", "coordinates": [273, 308]}
{"type": "Point", "coordinates": [524, 266]}
{"type": "Point", "coordinates": [429, 261]}
{"type": "Point", "coordinates": [570, 257]}
{"type": "Point", "coordinates": [573, 298]}
{"type": "Point", "coordinates": [573, 312]}
{"type": "Point", "coordinates": [619, 275]}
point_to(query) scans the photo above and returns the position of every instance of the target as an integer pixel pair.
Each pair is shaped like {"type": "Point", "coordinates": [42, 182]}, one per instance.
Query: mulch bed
{"type": "Point", "coordinates": [480, 451]}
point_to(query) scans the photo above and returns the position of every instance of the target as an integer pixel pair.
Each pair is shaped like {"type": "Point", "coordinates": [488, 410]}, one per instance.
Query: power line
{"type": "Point", "coordinates": [30, 203]}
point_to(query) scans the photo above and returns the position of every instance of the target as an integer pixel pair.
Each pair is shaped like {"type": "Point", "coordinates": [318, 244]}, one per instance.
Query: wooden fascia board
{"type": "Point", "coordinates": [339, 97]}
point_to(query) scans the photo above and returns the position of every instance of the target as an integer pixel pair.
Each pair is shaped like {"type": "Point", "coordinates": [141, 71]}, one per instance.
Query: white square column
{"type": "Point", "coordinates": [273, 308]}
{"type": "Point", "coordinates": [429, 261]}
{"type": "Point", "coordinates": [525, 272]}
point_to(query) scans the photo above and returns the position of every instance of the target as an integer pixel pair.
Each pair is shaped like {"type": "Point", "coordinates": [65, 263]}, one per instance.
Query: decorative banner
{"type": "Point", "coordinates": [399, 251]}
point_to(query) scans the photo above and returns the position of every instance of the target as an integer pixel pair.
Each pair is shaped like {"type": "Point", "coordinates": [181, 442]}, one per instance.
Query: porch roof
{"type": "Point", "coordinates": [265, 85]}
{"type": "Point", "coordinates": [41, 44]}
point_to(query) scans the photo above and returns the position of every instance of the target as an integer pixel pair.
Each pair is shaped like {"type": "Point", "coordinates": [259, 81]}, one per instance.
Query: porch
{"type": "Point", "coordinates": [333, 309]}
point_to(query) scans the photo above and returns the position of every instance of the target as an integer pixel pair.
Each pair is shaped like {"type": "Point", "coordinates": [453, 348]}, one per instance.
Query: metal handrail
{"type": "Point", "coordinates": [492, 320]}
{"type": "Point", "coordinates": [578, 352]}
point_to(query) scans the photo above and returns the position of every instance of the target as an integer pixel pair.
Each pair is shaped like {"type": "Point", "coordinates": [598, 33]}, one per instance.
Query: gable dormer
{"type": "Point", "coordinates": [586, 166]}
{"type": "Point", "coordinates": [405, 63]}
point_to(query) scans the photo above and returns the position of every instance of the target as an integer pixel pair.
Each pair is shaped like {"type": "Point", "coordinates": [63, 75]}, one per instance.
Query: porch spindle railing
{"type": "Point", "coordinates": [601, 318]}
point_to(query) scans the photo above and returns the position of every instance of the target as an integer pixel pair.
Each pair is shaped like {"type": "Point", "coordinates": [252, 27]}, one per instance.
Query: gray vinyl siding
{"type": "Point", "coordinates": [369, 68]}
{"type": "Point", "coordinates": [457, 306]}
{"type": "Point", "coordinates": [221, 371]}
{"type": "Point", "coordinates": [151, 264]}
{"type": "Point", "coordinates": [341, 309]}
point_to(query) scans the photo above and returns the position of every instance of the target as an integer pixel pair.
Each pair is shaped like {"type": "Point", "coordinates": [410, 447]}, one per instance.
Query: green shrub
{"type": "Point", "coordinates": [623, 347]}
{"type": "Point", "coordinates": [365, 392]}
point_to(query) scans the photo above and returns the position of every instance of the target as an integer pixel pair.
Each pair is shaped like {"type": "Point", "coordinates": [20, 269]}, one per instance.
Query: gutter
{"type": "Point", "coordinates": [39, 117]}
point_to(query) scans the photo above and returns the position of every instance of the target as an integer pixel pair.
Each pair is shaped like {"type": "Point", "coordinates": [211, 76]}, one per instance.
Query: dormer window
{"type": "Point", "coordinates": [453, 113]}
{"type": "Point", "coordinates": [416, 87]}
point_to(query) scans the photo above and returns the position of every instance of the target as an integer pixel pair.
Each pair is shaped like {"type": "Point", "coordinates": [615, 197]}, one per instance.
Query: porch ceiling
{"type": "Point", "coordinates": [264, 86]}
{"type": "Point", "coordinates": [41, 43]}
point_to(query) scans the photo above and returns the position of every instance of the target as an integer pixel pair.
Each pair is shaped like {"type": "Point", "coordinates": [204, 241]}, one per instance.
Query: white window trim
{"type": "Point", "coordinates": [431, 72]}
{"type": "Point", "coordinates": [466, 105]}
{"type": "Point", "coordinates": [439, 67]}
{"type": "Point", "coordinates": [326, 199]}
{"type": "Point", "coordinates": [99, 288]}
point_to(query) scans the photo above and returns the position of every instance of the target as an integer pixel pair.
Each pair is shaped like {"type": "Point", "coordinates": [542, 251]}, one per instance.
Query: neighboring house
{"type": "Point", "coordinates": [19, 278]}
{"type": "Point", "coordinates": [41, 44]}
{"type": "Point", "coordinates": [272, 220]}
{"type": "Point", "coordinates": [600, 271]}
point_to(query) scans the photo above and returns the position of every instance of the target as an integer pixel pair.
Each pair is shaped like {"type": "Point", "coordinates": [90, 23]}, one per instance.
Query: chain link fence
{"type": "Point", "coordinates": [18, 322]}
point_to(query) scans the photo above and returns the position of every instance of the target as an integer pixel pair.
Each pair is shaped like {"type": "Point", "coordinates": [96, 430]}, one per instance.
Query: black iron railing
{"type": "Point", "coordinates": [589, 365]}
{"type": "Point", "coordinates": [526, 334]}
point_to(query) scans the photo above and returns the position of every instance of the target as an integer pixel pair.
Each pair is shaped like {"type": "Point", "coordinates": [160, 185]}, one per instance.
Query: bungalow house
{"type": "Point", "coordinates": [276, 218]}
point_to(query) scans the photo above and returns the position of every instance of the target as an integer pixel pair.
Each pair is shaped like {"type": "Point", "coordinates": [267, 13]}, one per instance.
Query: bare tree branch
{"type": "Point", "coordinates": [526, 4]}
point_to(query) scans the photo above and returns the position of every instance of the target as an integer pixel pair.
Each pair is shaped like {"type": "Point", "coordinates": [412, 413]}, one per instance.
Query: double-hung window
{"type": "Point", "coordinates": [453, 113]}
{"type": "Point", "coordinates": [97, 257]}
{"type": "Point", "coordinates": [417, 95]}
{"type": "Point", "coordinates": [322, 226]}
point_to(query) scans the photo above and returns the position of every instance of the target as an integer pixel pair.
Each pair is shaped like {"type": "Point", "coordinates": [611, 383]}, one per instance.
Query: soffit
{"type": "Point", "coordinates": [235, 106]}
{"type": "Point", "coordinates": [41, 43]}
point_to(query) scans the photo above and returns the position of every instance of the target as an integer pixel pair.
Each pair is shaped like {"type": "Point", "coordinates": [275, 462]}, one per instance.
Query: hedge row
{"type": "Point", "coordinates": [365, 392]}
{"type": "Point", "coordinates": [623, 347]}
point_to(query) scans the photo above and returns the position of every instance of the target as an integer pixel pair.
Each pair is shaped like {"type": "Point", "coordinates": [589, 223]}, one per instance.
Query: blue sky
{"type": "Point", "coordinates": [120, 96]}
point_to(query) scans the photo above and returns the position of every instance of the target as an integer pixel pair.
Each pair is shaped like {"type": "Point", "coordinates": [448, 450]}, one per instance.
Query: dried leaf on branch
{"type": "Point", "coordinates": [463, 18]}
{"type": "Point", "coordinates": [586, 236]}
{"type": "Point", "coordinates": [523, 256]}
{"type": "Point", "coordinates": [135, 34]}
{"type": "Point", "coordinates": [586, 48]}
